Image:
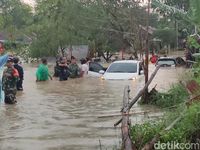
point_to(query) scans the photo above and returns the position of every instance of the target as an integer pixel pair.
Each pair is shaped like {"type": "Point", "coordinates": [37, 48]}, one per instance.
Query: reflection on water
{"type": "Point", "coordinates": [65, 115]}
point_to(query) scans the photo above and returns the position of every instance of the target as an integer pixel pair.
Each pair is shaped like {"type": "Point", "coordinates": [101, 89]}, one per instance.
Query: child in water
{"type": "Point", "coordinates": [42, 73]}
{"type": "Point", "coordinates": [10, 78]}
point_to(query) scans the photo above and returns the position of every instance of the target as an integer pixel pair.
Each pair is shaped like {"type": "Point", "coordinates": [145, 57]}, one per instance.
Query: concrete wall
{"type": "Point", "coordinates": [79, 52]}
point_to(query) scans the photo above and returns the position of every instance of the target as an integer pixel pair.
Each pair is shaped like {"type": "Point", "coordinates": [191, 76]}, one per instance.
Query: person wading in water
{"type": "Point", "coordinates": [21, 74]}
{"type": "Point", "coordinates": [63, 69]}
{"type": "Point", "coordinates": [74, 68]}
{"type": "Point", "coordinates": [10, 78]}
{"type": "Point", "coordinates": [42, 73]}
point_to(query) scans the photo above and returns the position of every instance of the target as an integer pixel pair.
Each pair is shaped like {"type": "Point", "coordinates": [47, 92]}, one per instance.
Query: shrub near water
{"type": "Point", "coordinates": [196, 71]}
{"type": "Point", "coordinates": [187, 130]}
{"type": "Point", "coordinates": [176, 95]}
{"type": "Point", "coordinates": [141, 134]}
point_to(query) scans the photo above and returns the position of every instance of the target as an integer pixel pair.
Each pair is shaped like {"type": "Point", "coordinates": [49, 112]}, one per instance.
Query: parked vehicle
{"type": "Point", "coordinates": [95, 69]}
{"type": "Point", "coordinates": [166, 62]}
{"type": "Point", "coordinates": [123, 70]}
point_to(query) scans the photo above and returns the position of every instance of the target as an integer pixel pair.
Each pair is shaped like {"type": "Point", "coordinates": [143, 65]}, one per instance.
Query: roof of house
{"type": "Point", "coordinates": [3, 36]}
{"type": "Point", "coordinates": [19, 38]}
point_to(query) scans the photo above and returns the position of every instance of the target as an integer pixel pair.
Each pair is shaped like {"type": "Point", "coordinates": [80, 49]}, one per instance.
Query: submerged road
{"type": "Point", "coordinates": [57, 115]}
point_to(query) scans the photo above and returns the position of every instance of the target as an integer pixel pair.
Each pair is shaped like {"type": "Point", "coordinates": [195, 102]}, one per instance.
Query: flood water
{"type": "Point", "coordinates": [71, 115]}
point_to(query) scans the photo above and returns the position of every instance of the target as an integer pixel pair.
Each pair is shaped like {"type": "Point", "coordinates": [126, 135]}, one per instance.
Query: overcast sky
{"type": "Point", "coordinates": [32, 2]}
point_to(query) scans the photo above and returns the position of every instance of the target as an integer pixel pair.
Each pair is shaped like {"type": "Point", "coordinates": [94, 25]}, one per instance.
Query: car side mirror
{"type": "Point", "coordinates": [141, 72]}
{"type": "Point", "coordinates": [101, 72]}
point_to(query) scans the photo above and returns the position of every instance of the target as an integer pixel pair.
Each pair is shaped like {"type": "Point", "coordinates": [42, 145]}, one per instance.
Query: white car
{"type": "Point", "coordinates": [166, 62]}
{"type": "Point", "coordinates": [123, 70]}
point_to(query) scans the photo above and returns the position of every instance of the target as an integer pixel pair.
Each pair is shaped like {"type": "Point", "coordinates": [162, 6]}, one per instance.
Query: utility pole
{"type": "Point", "coordinates": [176, 34]}
{"type": "Point", "coordinates": [176, 27]}
{"type": "Point", "coordinates": [146, 65]}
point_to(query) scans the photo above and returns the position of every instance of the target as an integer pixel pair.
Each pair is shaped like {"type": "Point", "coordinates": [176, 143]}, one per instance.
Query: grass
{"type": "Point", "coordinates": [196, 71]}
{"type": "Point", "coordinates": [142, 134]}
{"type": "Point", "coordinates": [185, 131]}
{"type": "Point", "coordinates": [176, 95]}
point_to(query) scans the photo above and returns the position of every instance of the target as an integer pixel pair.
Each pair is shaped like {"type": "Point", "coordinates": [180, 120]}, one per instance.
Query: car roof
{"type": "Point", "coordinates": [126, 61]}
{"type": "Point", "coordinates": [170, 58]}
{"type": "Point", "coordinates": [166, 59]}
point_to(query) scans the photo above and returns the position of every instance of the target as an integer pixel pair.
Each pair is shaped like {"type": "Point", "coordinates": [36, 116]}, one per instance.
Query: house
{"type": "Point", "coordinates": [3, 37]}
{"type": "Point", "coordinates": [78, 51]}
{"type": "Point", "coordinates": [22, 39]}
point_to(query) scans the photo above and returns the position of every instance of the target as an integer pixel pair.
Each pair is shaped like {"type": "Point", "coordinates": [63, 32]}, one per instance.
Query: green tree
{"type": "Point", "coordinates": [15, 16]}
{"type": "Point", "coordinates": [167, 35]}
{"type": "Point", "coordinates": [108, 26]}
{"type": "Point", "coordinates": [175, 16]}
{"type": "Point", "coordinates": [60, 23]}
{"type": "Point", "coordinates": [121, 29]}
{"type": "Point", "coordinates": [188, 10]}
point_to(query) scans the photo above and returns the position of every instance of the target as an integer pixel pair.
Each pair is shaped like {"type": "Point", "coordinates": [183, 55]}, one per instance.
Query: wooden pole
{"type": "Point", "coordinates": [126, 139]}
{"type": "Point", "coordinates": [146, 71]}
{"type": "Point", "coordinates": [140, 93]}
{"type": "Point", "coordinates": [70, 49]}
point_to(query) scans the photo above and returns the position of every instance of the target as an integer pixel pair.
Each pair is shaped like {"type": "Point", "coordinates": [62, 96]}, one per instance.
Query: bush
{"type": "Point", "coordinates": [185, 131]}
{"type": "Point", "coordinates": [196, 70]}
{"type": "Point", "coordinates": [141, 134]}
{"type": "Point", "coordinates": [24, 53]}
{"type": "Point", "coordinates": [176, 95]}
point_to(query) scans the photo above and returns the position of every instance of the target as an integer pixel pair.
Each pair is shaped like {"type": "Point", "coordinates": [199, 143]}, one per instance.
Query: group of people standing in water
{"type": "Point", "coordinates": [64, 69]}
{"type": "Point", "coordinates": [13, 75]}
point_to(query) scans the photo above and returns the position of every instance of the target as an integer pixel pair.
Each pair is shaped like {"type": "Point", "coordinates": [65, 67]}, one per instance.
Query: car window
{"type": "Point", "coordinates": [166, 62]}
{"type": "Point", "coordinates": [123, 68]}
{"type": "Point", "coordinates": [95, 67]}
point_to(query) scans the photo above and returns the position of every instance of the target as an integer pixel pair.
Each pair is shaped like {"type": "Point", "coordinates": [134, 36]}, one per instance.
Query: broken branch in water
{"type": "Point", "coordinates": [130, 113]}
{"type": "Point", "coordinates": [140, 93]}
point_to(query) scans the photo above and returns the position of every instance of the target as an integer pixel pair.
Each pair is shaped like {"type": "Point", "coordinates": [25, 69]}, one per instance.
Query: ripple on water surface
{"type": "Point", "coordinates": [66, 115]}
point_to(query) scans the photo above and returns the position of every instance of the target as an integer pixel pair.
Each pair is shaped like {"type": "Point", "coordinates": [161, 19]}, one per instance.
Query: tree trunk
{"type": "Point", "coordinates": [107, 57]}
{"type": "Point", "coordinates": [146, 71]}
{"type": "Point", "coordinates": [135, 54]}
{"type": "Point", "coordinates": [70, 49]}
{"type": "Point", "coordinates": [62, 51]}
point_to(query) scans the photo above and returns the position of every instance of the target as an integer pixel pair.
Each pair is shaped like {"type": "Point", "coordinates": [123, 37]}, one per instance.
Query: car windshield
{"type": "Point", "coordinates": [123, 68]}
{"type": "Point", "coordinates": [166, 62]}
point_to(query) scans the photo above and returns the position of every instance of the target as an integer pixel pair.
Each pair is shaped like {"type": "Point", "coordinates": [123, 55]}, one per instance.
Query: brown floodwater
{"type": "Point", "coordinates": [72, 115]}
